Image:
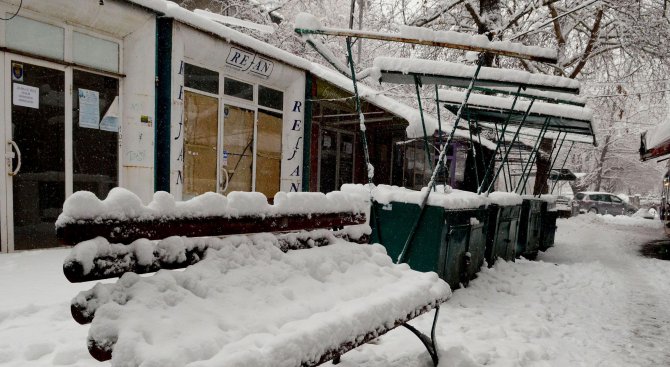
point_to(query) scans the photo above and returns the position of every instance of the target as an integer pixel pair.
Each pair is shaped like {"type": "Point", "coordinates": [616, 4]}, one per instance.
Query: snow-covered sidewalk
{"type": "Point", "coordinates": [589, 301]}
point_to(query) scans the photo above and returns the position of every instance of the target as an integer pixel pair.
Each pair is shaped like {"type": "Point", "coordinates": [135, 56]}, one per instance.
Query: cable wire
{"type": "Point", "coordinates": [15, 14]}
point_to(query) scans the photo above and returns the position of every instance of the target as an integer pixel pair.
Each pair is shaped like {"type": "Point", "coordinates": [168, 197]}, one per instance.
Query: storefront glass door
{"type": "Point", "coordinates": [238, 149]}
{"type": "Point", "coordinates": [61, 135]}
{"type": "Point", "coordinates": [36, 133]}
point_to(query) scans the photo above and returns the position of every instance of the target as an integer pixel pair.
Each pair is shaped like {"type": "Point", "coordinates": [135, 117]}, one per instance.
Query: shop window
{"type": "Point", "coordinates": [235, 88]}
{"type": "Point", "coordinates": [201, 79]}
{"type": "Point", "coordinates": [417, 168]}
{"type": "Point", "coordinates": [201, 128]}
{"type": "Point", "coordinates": [35, 37]}
{"type": "Point", "coordinates": [95, 132]}
{"type": "Point", "coordinates": [95, 52]}
{"type": "Point", "coordinates": [271, 98]}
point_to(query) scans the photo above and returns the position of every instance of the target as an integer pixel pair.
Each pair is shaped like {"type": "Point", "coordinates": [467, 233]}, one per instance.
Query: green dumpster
{"type": "Point", "coordinates": [548, 230]}
{"type": "Point", "coordinates": [503, 226]}
{"type": "Point", "coordinates": [530, 227]}
{"type": "Point", "coordinates": [449, 242]}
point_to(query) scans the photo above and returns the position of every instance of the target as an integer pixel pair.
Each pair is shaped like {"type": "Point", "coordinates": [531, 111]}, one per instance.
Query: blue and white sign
{"type": "Point", "coordinates": [89, 109]}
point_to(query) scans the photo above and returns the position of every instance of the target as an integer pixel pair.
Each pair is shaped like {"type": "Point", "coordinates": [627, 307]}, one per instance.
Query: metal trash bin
{"type": "Point", "coordinates": [548, 230]}
{"type": "Point", "coordinates": [503, 228]}
{"type": "Point", "coordinates": [450, 242]}
{"type": "Point", "coordinates": [530, 227]}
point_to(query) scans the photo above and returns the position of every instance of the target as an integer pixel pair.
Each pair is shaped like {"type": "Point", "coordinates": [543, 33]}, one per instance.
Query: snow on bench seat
{"type": "Point", "coordinates": [250, 304]}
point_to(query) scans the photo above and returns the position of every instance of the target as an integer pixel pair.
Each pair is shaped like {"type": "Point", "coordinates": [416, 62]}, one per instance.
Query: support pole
{"type": "Point", "coordinates": [361, 117]}
{"type": "Point", "coordinates": [507, 151]}
{"type": "Point", "coordinates": [361, 127]}
{"type": "Point", "coordinates": [417, 83]}
{"type": "Point", "coordinates": [474, 152]}
{"type": "Point", "coordinates": [504, 128]}
{"type": "Point", "coordinates": [562, 166]}
{"type": "Point", "coordinates": [531, 159]}
{"type": "Point", "coordinates": [553, 161]}
{"type": "Point", "coordinates": [439, 129]}
{"type": "Point", "coordinates": [496, 153]}
{"type": "Point", "coordinates": [479, 139]}
{"type": "Point", "coordinates": [443, 153]}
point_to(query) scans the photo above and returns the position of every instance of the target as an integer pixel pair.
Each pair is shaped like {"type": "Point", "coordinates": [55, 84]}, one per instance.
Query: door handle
{"type": "Point", "coordinates": [18, 153]}
{"type": "Point", "coordinates": [224, 186]}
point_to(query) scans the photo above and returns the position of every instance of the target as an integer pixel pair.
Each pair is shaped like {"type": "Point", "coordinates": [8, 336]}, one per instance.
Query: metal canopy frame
{"type": "Point", "coordinates": [532, 120]}
{"type": "Point", "coordinates": [468, 83]}
{"type": "Point", "coordinates": [484, 84]}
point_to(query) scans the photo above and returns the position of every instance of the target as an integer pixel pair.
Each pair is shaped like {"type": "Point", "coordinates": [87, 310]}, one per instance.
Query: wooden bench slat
{"type": "Point", "coordinates": [126, 232]}
{"type": "Point", "coordinates": [110, 263]}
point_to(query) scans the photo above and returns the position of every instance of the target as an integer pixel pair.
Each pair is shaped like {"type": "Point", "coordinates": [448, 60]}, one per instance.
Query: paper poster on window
{"type": "Point", "coordinates": [89, 109]}
{"type": "Point", "coordinates": [110, 121]}
{"type": "Point", "coordinates": [348, 148]}
{"type": "Point", "coordinates": [26, 96]}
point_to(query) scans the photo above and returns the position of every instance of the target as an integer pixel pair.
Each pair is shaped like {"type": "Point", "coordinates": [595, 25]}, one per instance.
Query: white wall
{"type": "Point", "coordinates": [137, 137]}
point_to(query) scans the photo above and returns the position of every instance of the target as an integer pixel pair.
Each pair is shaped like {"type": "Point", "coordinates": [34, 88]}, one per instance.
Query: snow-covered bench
{"type": "Point", "coordinates": [246, 300]}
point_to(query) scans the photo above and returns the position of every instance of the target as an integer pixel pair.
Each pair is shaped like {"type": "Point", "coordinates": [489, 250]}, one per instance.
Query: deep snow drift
{"type": "Point", "coordinates": [589, 301]}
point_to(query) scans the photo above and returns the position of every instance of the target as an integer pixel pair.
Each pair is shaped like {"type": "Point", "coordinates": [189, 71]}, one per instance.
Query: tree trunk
{"type": "Point", "coordinates": [601, 163]}
{"type": "Point", "coordinates": [543, 164]}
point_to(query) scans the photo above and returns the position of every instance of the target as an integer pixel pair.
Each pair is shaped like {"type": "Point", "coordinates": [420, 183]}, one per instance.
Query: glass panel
{"type": "Point", "coordinates": [95, 132]}
{"type": "Point", "coordinates": [201, 79]}
{"type": "Point", "coordinates": [38, 128]}
{"type": "Point", "coordinates": [268, 157]}
{"type": "Point", "coordinates": [238, 146]}
{"type": "Point", "coordinates": [232, 87]}
{"type": "Point", "coordinates": [95, 52]}
{"type": "Point", "coordinates": [346, 169]}
{"type": "Point", "coordinates": [271, 98]}
{"type": "Point", "coordinates": [201, 129]}
{"type": "Point", "coordinates": [28, 35]}
{"type": "Point", "coordinates": [328, 161]}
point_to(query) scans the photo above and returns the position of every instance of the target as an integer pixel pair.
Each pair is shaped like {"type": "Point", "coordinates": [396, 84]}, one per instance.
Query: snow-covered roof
{"type": "Point", "coordinates": [535, 132]}
{"type": "Point", "coordinates": [454, 74]}
{"type": "Point", "coordinates": [411, 114]}
{"type": "Point", "coordinates": [655, 142]}
{"type": "Point", "coordinates": [204, 23]}
{"type": "Point", "coordinates": [308, 23]}
{"type": "Point", "coordinates": [505, 103]}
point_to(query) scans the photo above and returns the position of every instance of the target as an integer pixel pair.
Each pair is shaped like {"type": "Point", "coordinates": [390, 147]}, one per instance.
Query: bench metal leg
{"type": "Point", "coordinates": [336, 359]}
{"type": "Point", "coordinates": [428, 342]}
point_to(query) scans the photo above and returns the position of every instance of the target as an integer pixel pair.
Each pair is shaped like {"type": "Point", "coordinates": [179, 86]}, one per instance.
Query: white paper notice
{"type": "Point", "coordinates": [110, 121]}
{"type": "Point", "coordinates": [89, 109]}
{"type": "Point", "coordinates": [26, 96]}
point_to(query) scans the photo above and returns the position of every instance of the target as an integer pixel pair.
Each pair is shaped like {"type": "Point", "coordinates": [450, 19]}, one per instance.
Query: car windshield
{"type": "Point", "coordinates": [616, 199]}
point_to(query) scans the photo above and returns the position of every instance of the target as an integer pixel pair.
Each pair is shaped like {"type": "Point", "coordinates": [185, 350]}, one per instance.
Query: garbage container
{"type": "Point", "coordinates": [450, 242]}
{"type": "Point", "coordinates": [530, 227]}
{"type": "Point", "coordinates": [503, 226]}
{"type": "Point", "coordinates": [548, 230]}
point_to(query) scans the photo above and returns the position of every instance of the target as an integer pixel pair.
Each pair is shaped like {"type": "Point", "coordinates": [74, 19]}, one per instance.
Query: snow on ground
{"type": "Point", "coordinates": [589, 301]}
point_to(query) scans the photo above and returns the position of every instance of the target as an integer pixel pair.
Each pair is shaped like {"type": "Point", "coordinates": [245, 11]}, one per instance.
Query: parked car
{"type": "Point", "coordinates": [603, 203]}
